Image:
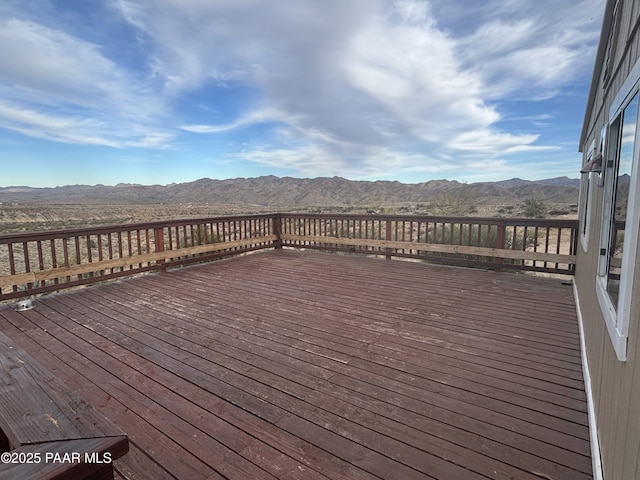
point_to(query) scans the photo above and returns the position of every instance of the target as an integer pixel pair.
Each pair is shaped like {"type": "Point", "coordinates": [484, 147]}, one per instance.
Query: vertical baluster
{"type": "Point", "coordinates": [147, 244]}
{"type": "Point", "coordinates": [129, 248]}
{"type": "Point", "coordinates": [411, 251]}
{"type": "Point", "coordinates": [25, 253]}
{"type": "Point", "coordinates": [54, 258]}
{"type": "Point", "coordinates": [535, 242]}
{"type": "Point", "coordinates": [65, 255]}
{"type": "Point", "coordinates": [558, 244]}
{"type": "Point", "coordinates": [138, 245]}
{"type": "Point", "coordinates": [525, 241]}
{"type": "Point", "coordinates": [12, 263]}
{"type": "Point", "coordinates": [546, 243]}
{"type": "Point", "coordinates": [99, 246]}
{"type": "Point", "coordinates": [76, 242]}
{"type": "Point", "coordinates": [89, 252]}
{"type": "Point", "coordinates": [120, 255]}
{"type": "Point", "coordinates": [100, 254]}
{"type": "Point", "coordinates": [110, 248]}
{"type": "Point", "coordinates": [40, 255]}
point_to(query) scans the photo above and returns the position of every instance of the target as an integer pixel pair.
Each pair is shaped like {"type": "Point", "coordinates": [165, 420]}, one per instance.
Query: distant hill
{"type": "Point", "coordinates": [557, 181]}
{"type": "Point", "coordinates": [302, 192]}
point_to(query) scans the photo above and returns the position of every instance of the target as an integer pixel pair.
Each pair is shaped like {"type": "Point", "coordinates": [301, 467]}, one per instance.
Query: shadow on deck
{"type": "Point", "coordinates": [288, 364]}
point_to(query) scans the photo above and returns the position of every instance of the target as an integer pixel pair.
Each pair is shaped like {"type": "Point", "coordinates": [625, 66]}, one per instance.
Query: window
{"type": "Point", "coordinates": [619, 224]}
{"type": "Point", "coordinates": [620, 175]}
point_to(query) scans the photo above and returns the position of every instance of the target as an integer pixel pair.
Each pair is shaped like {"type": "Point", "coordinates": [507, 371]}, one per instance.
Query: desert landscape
{"type": "Point", "coordinates": [27, 209]}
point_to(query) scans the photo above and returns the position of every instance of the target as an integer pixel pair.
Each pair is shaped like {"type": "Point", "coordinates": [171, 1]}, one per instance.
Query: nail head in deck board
{"type": "Point", "coordinates": [266, 305]}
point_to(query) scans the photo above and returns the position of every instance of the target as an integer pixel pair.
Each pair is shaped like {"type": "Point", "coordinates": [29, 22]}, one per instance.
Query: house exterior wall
{"type": "Point", "coordinates": [615, 384]}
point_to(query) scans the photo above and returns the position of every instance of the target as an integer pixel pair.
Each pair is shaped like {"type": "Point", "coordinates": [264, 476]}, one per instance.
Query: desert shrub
{"type": "Point", "coordinates": [455, 204]}
{"type": "Point", "coordinates": [534, 208]}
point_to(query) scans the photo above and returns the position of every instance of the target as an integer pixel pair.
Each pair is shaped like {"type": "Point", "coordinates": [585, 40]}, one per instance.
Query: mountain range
{"type": "Point", "coordinates": [288, 192]}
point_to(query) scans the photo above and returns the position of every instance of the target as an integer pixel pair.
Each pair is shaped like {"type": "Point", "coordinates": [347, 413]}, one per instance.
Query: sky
{"type": "Point", "coordinates": [170, 91]}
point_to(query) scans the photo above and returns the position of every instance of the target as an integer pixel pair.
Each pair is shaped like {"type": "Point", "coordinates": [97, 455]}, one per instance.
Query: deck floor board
{"type": "Point", "coordinates": [292, 364]}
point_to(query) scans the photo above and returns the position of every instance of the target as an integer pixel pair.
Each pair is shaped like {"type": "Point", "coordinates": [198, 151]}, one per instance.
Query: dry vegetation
{"type": "Point", "coordinates": [29, 218]}
{"type": "Point", "coordinates": [16, 218]}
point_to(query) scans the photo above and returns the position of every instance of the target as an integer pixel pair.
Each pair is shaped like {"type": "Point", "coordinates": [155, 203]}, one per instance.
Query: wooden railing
{"type": "Point", "coordinates": [521, 244]}
{"type": "Point", "coordinates": [32, 263]}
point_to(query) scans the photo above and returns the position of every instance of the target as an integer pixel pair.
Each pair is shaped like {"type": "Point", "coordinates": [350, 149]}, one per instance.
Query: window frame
{"type": "Point", "coordinates": [617, 317]}
{"type": "Point", "coordinates": [586, 196]}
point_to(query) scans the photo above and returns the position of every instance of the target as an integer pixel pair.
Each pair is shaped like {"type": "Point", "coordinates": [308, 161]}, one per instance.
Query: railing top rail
{"type": "Point", "coordinates": [104, 229]}
{"type": "Point", "coordinates": [539, 222]}
{"type": "Point", "coordinates": [123, 227]}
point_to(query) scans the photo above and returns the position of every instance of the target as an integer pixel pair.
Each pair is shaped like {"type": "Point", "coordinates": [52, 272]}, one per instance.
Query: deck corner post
{"type": "Point", "coordinates": [388, 239]}
{"type": "Point", "coordinates": [158, 237]}
{"type": "Point", "coordinates": [277, 230]}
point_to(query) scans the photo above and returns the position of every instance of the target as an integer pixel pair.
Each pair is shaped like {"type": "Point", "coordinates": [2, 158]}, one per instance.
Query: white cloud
{"type": "Point", "coordinates": [150, 139]}
{"type": "Point", "coordinates": [61, 129]}
{"type": "Point", "coordinates": [345, 78]}
{"type": "Point", "coordinates": [77, 129]}
{"type": "Point", "coordinates": [62, 67]}
{"type": "Point", "coordinates": [59, 87]}
{"type": "Point", "coordinates": [357, 87]}
{"type": "Point", "coordinates": [523, 49]}
{"type": "Point", "coordinates": [250, 118]}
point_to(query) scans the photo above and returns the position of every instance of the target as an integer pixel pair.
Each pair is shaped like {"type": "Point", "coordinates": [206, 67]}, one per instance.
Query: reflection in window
{"type": "Point", "coordinates": [622, 172]}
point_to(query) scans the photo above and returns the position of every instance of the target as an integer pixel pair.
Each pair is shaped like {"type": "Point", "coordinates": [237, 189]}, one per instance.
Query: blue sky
{"type": "Point", "coordinates": [164, 91]}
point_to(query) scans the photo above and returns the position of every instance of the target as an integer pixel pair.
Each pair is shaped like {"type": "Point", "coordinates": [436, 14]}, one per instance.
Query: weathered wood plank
{"type": "Point", "coordinates": [35, 408]}
{"type": "Point", "coordinates": [256, 367]}
{"type": "Point", "coordinates": [85, 372]}
{"type": "Point", "coordinates": [452, 450]}
{"type": "Point", "coordinates": [435, 247]}
{"type": "Point", "coordinates": [567, 442]}
{"type": "Point", "coordinates": [191, 314]}
{"type": "Point", "coordinates": [308, 350]}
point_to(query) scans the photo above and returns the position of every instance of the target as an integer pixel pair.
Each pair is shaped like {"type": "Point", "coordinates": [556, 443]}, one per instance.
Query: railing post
{"type": "Point", "coordinates": [388, 238]}
{"type": "Point", "coordinates": [158, 241]}
{"type": "Point", "coordinates": [573, 248]}
{"type": "Point", "coordinates": [277, 230]}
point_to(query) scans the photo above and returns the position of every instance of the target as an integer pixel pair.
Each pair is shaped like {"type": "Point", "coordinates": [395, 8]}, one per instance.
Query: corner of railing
{"type": "Point", "coordinates": [158, 237]}
{"type": "Point", "coordinates": [277, 230]}
{"type": "Point", "coordinates": [388, 239]}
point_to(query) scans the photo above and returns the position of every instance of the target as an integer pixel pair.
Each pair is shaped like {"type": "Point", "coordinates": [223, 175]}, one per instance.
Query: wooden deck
{"type": "Point", "coordinates": [289, 364]}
